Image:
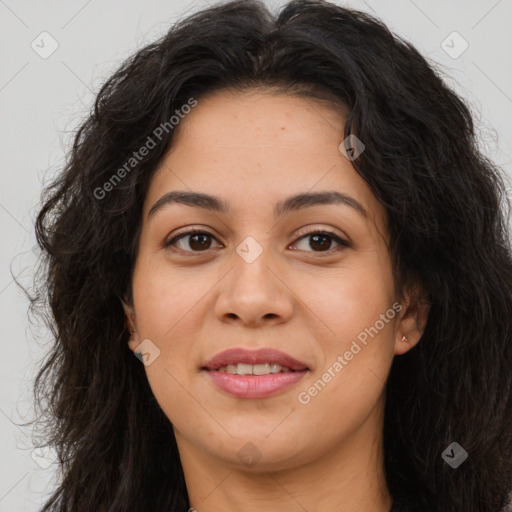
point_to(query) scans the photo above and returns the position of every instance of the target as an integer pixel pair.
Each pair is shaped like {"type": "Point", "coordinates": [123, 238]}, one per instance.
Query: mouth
{"type": "Point", "coordinates": [254, 369]}
{"type": "Point", "coordinates": [254, 373]}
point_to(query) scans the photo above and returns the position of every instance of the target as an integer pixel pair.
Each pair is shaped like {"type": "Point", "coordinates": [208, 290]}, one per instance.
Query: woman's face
{"type": "Point", "coordinates": [263, 273]}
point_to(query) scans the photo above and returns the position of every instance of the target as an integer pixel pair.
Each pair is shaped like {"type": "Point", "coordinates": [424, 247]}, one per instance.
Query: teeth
{"type": "Point", "coordinates": [276, 368]}
{"type": "Point", "coordinates": [253, 369]}
{"type": "Point", "coordinates": [261, 369]}
{"type": "Point", "coordinates": [244, 369]}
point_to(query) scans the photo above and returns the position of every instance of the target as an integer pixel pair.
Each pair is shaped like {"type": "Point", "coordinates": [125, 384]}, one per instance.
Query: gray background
{"type": "Point", "coordinates": [42, 100]}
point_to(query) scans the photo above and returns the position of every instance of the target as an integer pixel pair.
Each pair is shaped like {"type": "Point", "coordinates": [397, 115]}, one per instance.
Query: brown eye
{"type": "Point", "coordinates": [320, 241]}
{"type": "Point", "coordinates": [197, 241]}
{"type": "Point", "coordinates": [201, 241]}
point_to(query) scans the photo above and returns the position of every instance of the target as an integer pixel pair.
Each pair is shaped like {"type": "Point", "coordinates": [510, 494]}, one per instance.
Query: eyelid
{"type": "Point", "coordinates": [191, 230]}
{"type": "Point", "coordinates": [341, 240]}
{"type": "Point", "coordinates": [308, 230]}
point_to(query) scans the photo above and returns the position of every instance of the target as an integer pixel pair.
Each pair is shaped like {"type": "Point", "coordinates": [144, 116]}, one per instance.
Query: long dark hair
{"type": "Point", "coordinates": [447, 232]}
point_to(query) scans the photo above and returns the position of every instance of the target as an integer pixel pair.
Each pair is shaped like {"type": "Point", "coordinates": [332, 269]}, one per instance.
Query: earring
{"type": "Point", "coordinates": [404, 338]}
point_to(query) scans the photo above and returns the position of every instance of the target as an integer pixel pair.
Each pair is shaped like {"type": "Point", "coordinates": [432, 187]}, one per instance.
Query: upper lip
{"type": "Point", "coordinates": [258, 356]}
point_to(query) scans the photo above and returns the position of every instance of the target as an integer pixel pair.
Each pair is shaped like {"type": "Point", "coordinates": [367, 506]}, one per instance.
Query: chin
{"type": "Point", "coordinates": [258, 456]}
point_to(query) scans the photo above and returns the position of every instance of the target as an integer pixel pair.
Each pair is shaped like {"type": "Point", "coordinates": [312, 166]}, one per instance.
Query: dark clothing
{"type": "Point", "coordinates": [408, 503]}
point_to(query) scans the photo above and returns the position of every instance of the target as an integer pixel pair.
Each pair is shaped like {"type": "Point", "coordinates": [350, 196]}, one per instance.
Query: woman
{"type": "Point", "coordinates": [288, 222]}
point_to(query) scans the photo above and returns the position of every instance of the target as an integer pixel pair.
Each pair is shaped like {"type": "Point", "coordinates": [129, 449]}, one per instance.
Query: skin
{"type": "Point", "coordinates": [253, 149]}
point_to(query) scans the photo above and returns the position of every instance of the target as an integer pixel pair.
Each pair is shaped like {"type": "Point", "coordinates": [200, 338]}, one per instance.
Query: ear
{"type": "Point", "coordinates": [412, 321]}
{"type": "Point", "coordinates": [131, 324]}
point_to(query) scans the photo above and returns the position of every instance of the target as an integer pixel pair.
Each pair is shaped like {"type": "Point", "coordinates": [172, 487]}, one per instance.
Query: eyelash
{"type": "Point", "coordinates": [343, 244]}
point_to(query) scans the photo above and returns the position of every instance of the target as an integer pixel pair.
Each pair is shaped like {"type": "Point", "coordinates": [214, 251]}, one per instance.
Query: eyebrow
{"type": "Point", "coordinates": [290, 204]}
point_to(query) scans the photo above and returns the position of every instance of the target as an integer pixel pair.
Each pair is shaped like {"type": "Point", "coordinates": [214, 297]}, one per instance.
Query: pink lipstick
{"type": "Point", "coordinates": [260, 373]}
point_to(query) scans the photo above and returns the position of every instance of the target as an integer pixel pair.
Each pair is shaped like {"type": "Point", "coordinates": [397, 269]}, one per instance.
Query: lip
{"type": "Point", "coordinates": [254, 386]}
{"type": "Point", "coordinates": [259, 356]}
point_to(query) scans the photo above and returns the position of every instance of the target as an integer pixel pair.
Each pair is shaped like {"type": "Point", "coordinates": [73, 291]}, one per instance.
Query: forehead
{"type": "Point", "coordinates": [256, 117]}
{"type": "Point", "coordinates": [253, 147]}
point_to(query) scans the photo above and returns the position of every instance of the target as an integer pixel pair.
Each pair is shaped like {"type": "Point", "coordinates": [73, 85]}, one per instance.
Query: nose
{"type": "Point", "coordinates": [255, 293]}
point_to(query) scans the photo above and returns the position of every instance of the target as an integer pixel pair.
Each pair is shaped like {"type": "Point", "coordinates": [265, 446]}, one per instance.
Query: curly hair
{"type": "Point", "coordinates": [447, 230]}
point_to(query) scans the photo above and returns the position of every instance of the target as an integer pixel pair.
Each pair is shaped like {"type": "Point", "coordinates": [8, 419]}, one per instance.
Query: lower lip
{"type": "Point", "coordinates": [255, 386]}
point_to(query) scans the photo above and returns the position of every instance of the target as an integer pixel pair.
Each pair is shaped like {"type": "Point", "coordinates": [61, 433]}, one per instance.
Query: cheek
{"type": "Point", "coordinates": [342, 402]}
{"type": "Point", "coordinates": [167, 309]}
{"type": "Point", "coordinates": [357, 309]}
{"type": "Point", "coordinates": [356, 359]}
{"type": "Point", "coordinates": [163, 296]}
{"type": "Point", "coordinates": [167, 306]}
{"type": "Point", "coordinates": [349, 300]}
